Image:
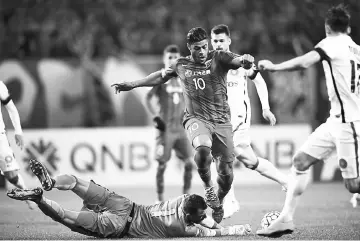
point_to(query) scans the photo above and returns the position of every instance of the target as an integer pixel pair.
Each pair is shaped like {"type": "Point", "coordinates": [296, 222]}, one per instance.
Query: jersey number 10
{"type": "Point", "coordinates": [355, 75]}
{"type": "Point", "coordinates": [199, 83]}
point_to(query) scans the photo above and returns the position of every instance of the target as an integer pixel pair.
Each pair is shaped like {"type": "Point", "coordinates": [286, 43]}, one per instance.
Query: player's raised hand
{"type": "Point", "coordinates": [269, 116]}
{"type": "Point", "coordinates": [125, 86]}
{"type": "Point", "coordinates": [266, 65]}
{"type": "Point", "coordinates": [247, 61]}
{"type": "Point", "coordinates": [19, 141]}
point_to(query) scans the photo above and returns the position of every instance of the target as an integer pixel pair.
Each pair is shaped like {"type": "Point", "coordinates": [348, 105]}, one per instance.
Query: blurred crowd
{"type": "Point", "coordinates": [51, 28]}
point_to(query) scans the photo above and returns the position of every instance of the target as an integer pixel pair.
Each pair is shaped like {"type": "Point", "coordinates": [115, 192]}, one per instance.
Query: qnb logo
{"type": "Point", "coordinates": [45, 153]}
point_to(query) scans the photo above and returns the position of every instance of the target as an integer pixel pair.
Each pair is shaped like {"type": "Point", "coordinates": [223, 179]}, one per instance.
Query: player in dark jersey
{"type": "Point", "coordinates": [207, 113]}
{"type": "Point", "coordinates": [106, 214]}
{"type": "Point", "coordinates": [171, 134]}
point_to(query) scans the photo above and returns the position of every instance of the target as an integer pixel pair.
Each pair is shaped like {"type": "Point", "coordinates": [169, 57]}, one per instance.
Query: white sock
{"type": "Point", "coordinates": [296, 186]}
{"type": "Point", "coordinates": [231, 194]}
{"type": "Point", "coordinates": [267, 169]}
{"type": "Point", "coordinates": [65, 182]}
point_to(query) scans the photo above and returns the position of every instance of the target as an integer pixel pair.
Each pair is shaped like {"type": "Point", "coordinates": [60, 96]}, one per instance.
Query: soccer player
{"type": "Point", "coordinates": [106, 214]}
{"type": "Point", "coordinates": [240, 107]}
{"type": "Point", "coordinates": [340, 57]}
{"type": "Point", "coordinates": [8, 164]}
{"type": "Point", "coordinates": [207, 113]}
{"type": "Point", "coordinates": [171, 135]}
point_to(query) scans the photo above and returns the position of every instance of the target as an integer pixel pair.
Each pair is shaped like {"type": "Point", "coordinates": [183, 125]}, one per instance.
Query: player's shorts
{"type": "Point", "coordinates": [221, 136]}
{"type": "Point", "coordinates": [340, 137]}
{"type": "Point", "coordinates": [104, 212]}
{"type": "Point", "coordinates": [242, 138]}
{"type": "Point", "coordinates": [166, 141]}
{"type": "Point", "coordinates": [7, 159]}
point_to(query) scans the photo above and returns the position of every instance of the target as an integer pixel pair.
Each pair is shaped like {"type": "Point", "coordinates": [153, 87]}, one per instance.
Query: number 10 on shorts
{"type": "Point", "coordinates": [199, 83]}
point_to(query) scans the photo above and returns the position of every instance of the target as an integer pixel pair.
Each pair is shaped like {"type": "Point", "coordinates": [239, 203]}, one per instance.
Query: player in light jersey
{"type": "Point", "coordinates": [8, 164]}
{"type": "Point", "coordinates": [240, 107]}
{"type": "Point", "coordinates": [340, 57]}
{"type": "Point", "coordinates": [106, 214]}
{"type": "Point", "coordinates": [170, 133]}
{"type": "Point", "coordinates": [207, 112]}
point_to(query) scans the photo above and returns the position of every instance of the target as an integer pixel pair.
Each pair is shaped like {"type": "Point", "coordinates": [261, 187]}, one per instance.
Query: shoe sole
{"type": "Point", "coordinates": [30, 197]}
{"type": "Point", "coordinates": [42, 174]}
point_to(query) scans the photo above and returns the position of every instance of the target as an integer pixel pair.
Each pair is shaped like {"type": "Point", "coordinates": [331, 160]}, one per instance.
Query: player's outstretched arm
{"type": "Point", "coordinates": [13, 114]}
{"type": "Point", "coordinates": [263, 94]}
{"type": "Point", "coordinates": [153, 79]}
{"type": "Point", "coordinates": [298, 63]}
{"type": "Point", "coordinates": [234, 230]}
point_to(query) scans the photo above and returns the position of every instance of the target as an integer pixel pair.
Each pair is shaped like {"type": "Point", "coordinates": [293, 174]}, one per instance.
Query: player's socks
{"type": "Point", "coordinates": [51, 209]}
{"type": "Point", "coordinates": [205, 175]}
{"type": "Point", "coordinates": [187, 177]}
{"type": "Point", "coordinates": [296, 186]}
{"type": "Point", "coordinates": [224, 182]}
{"type": "Point", "coordinates": [267, 169]}
{"type": "Point", "coordinates": [64, 182]}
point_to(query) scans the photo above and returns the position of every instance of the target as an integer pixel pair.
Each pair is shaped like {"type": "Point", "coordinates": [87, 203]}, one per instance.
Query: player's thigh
{"type": "Point", "coordinates": [223, 144]}
{"type": "Point", "coordinates": [105, 224]}
{"type": "Point", "coordinates": [8, 162]}
{"type": "Point", "coordinates": [96, 197]}
{"type": "Point", "coordinates": [164, 144]}
{"type": "Point", "coordinates": [347, 144]}
{"type": "Point", "coordinates": [182, 147]}
{"type": "Point", "coordinates": [199, 133]}
{"type": "Point", "coordinates": [318, 146]}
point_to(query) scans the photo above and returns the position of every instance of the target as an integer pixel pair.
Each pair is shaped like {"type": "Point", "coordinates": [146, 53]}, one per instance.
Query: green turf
{"type": "Point", "coordinates": [324, 212]}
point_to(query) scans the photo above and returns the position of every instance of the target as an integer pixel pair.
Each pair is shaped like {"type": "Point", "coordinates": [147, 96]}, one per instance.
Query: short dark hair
{"type": "Point", "coordinates": [194, 202]}
{"type": "Point", "coordinates": [338, 18]}
{"type": "Point", "coordinates": [172, 48]}
{"type": "Point", "coordinates": [196, 35]}
{"type": "Point", "coordinates": [221, 28]}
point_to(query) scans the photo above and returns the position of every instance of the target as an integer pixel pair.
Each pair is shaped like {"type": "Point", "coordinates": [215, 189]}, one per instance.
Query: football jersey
{"type": "Point", "coordinates": [163, 220]}
{"type": "Point", "coordinates": [4, 94]}
{"type": "Point", "coordinates": [239, 101]}
{"type": "Point", "coordinates": [171, 103]}
{"type": "Point", "coordinates": [340, 57]}
{"type": "Point", "coordinates": [204, 86]}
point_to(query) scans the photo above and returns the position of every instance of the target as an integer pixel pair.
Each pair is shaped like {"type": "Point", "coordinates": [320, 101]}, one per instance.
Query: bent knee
{"type": "Point", "coordinates": [353, 185]}
{"type": "Point", "coordinates": [303, 161]}
{"type": "Point", "coordinates": [202, 141]}
{"type": "Point", "coordinates": [225, 168]}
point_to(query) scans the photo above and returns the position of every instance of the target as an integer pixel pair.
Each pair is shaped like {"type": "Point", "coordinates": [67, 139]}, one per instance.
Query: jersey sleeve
{"type": "Point", "coordinates": [226, 58]}
{"type": "Point", "coordinates": [4, 94]}
{"type": "Point", "coordinates": [326, 49]}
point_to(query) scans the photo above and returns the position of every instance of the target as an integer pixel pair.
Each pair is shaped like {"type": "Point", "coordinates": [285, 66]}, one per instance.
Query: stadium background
{"type": "Point", "coordinates": [59, 57]}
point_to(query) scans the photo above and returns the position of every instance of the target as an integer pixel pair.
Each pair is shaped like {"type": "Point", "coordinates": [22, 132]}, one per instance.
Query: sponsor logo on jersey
{"type": "Point", "coordinates": [189, 73]}
{"type": "Point", "coordinates": [44, 152]}
{"type": "Point", "coordinates": [232, 83]}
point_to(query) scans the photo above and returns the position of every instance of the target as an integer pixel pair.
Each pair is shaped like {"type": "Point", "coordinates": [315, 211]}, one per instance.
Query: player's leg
{"type": "Point", "coordinates": [200, 137]}
{"type": "Point", "coordinates": [184, 152]}
{"type": "Point", "coordinates": [318, 146]}
{"type": "Point", "coordinates": [80, 222]}
{"type": "Point", "coordinates": [10, 167]}
{"type": "Point", "coordinates": [164, 143]}
{"type": "Point", "coordinates": [347, 143]}
{"type": "Point", "coordinates": [223, 153]}
{"type": "Point", "coordinates": [245, 154]}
